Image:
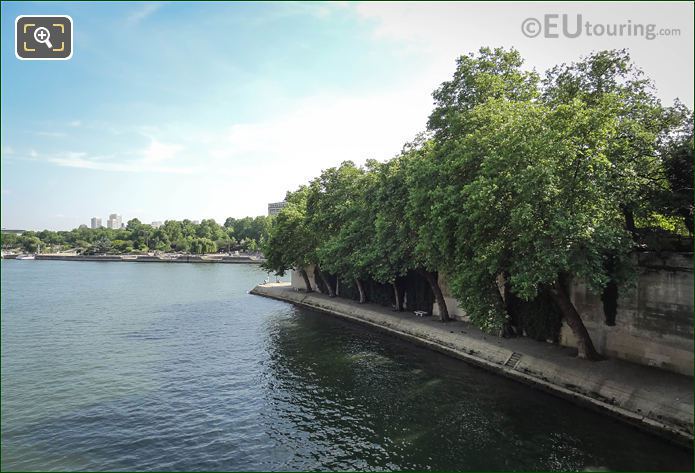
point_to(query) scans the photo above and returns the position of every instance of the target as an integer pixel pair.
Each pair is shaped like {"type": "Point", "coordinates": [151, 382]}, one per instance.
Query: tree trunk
{"type": "Point", "coordinates": [327, 283]}
{"type": "Point", "coordinates": [513, 325]}
{"type": "Point", "coordinates": [360, 288]}
{"type": "Point", "coordinates": [305, 276]}
{"type": "Point", "coordinates": [585, 347]}
{"type": "Point", "coordinates": [331, 292]}
{"type": "Point", "coordinates": [629, 220]}
{"type": "Point", "coordinates": [318, 279]}
{"type": "Point", "coordinates": [397, 296]}
{"type": "Point", "coordinates": [437, 291]}
{"type": "Point", "coordinates": [609, 298]}
{"type": "Point", "coordinates": [337, 287]}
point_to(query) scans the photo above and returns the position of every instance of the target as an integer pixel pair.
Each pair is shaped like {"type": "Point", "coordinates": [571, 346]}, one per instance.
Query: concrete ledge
{"type": "Point", "coordinates": [654, 400]}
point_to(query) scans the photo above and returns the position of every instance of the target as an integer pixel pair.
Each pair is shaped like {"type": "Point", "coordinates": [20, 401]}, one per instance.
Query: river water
{"type": "Point", "coordinates": [155, 366]}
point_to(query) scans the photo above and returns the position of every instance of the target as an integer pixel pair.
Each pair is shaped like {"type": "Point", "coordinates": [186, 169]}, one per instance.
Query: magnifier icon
{"type": "Point", "coordinates": [42, 35]}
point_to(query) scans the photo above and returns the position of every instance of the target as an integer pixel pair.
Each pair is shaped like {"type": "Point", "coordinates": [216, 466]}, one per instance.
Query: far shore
{"type": "Point", "coordinates": [147, 258]}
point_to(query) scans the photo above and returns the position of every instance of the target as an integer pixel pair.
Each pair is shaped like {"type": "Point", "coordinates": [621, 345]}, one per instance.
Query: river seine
{"type": "Point", "coordinates": [155, 366]}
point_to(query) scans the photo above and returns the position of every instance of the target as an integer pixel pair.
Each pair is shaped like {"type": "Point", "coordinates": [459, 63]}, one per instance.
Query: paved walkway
{"type": "Point", "coordinates": [653, 399]}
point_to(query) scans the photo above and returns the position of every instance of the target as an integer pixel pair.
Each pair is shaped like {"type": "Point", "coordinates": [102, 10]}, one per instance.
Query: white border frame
{"type": "Point", "coordinates": [72, 41]}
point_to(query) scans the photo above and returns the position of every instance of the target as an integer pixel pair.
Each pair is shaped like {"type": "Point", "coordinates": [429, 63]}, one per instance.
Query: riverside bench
{"type": "Point", "coordinates": [420, 313]}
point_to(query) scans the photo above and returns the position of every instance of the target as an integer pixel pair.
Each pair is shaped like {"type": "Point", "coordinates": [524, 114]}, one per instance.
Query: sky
{"type": "Point", "coordinates": [210, 110]}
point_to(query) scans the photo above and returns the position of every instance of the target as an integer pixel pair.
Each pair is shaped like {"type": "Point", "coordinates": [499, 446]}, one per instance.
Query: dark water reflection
{"type": "Point", "coordinates": [368, 401]}
{"type": "Point", "coordinates": [109, 366]}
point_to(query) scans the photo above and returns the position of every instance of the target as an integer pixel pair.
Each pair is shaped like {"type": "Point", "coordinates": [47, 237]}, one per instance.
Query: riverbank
{"type": "Point", "coordinates": [151, 258]}
{"type": "Point", "coordinates": [654, 400]}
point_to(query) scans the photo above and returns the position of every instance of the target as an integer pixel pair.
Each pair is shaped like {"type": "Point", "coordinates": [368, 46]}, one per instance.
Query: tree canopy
{"type": "Point", "coordinates": [245, 234]}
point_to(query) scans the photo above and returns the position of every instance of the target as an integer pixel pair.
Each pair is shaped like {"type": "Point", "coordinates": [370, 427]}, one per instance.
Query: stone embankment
{"type": "Point", "coordinates": [655, 400]}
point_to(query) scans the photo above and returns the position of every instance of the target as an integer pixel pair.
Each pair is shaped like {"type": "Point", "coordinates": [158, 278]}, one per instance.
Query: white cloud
{"type": "Point", "coordinates": [263, 160]}
{"type": "Point", "coordinates": [441, 31]}
{"type": "Point", "coordinates": [51, 134]}
{"type": "Point", "coordinates": [82, 161]}
{"type": "Point", "coordinates": [156, 151]}
{"type": "Point", "coordinates": [8, 150]}
{"type": "Point", "coordinates": [152, 159]}
{"type": "Point", "coordinates": [326, 130]}
{"type": "Point", "coordinates": [143, 12]}
{"type": "Point", "coordinates": [75, 123]}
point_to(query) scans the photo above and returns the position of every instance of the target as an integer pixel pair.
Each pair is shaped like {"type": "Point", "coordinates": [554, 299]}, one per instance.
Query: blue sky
{"type": "Point", "coordinates": [209, 110]}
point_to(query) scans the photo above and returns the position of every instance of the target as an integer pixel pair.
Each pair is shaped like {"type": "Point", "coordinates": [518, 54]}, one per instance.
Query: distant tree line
{"type": "Point", "coordinates": [520, 184]}
{"type": "Point", "coordinates": [245, 234]}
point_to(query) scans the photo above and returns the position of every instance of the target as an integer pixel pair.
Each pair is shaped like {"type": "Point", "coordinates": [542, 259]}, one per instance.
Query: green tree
{"type": "Point", "coordinates": [50, 238]}
{"type": "Point", "coordinates": [226, 243]}
{"type": "Point", "coordinates": [609, 81]}
{"type": "Point", "coordinates": [329, 196]}
{"type": "Point", "coordinates": [343, 197]}
{"type": "Point", "coordinates": [133, 224]}
{"type": "Point", "coordinates": [121, 246]}
{"type": "Point", "coordinates": [102, 245]}
{"type": "Point", "coordinates": [10, 240]}
{"type": "Point", "coordinates": [202, 246]}
{"type": "Point", "coordinates": [539, 203]}
{"type": "Point", "coordinates": [30, 242]}
{"type": "Point", "coordinates": [429, 230]}
{"type": "Point", "coordinates": [677, 153]}
{"type": "Point", "coordinates": [492, 74]}
{"type": "Point", "coordinates": [393, 243]}
{"type": "Point", "coordinates": [183, 244]}
{"type": "Point", "coordinates": [290, 244]}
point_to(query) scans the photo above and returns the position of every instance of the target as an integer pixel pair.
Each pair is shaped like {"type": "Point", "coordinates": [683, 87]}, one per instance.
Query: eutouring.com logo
{"type": "Point", "coordinates": [554, 25]}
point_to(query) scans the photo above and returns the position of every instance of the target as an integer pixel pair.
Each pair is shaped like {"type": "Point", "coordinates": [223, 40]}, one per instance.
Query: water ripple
{"type": "Point", "coordinates": [176, 367]}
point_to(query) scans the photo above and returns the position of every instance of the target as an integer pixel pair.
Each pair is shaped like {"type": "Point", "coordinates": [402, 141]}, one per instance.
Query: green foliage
{"type": "Point", "coordinates": [102, 245]}
{"type": "Point", "coordinates": [677, 154]}
{"type": "Point", "coordinates": [253, 228]}
{"type": "Point", "coordinates": [29, 243]}
{"type": "Point", "coordinates": [290, 244]}
{"type": "Point", "coordinates": [9, 240]}
{"type": "Point", "coordinates": [393, 241]}
{"type": "Point", "coordinates": [340, 217]}
{"type": "Point", "coordinates": [202, 246]}
{"type": "Point", "coordinates": [181, 236]}
{"type": "Point", "coordinates": [492, 74]}
{"type": "Point", "coordinates": [668, 223]}
{"type": "Point", "coordinates": [537, 200]}
{"type": "Point", "coordinates": [653, 166]}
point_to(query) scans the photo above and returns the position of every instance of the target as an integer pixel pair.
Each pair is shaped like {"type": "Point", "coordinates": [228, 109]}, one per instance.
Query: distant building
{"type": "Point", "coordinates": [96, 222]}
{"type": "Point", "coordinates": [9, 230]}
{"type": "Point", "coordinates": [196, 222]}
{"type": "Point", "coordinates": [275, 207]}
{"type": "Point", "coordinates": [115, 221]}
{"type": "Point", "coordinates": [156, 224]}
